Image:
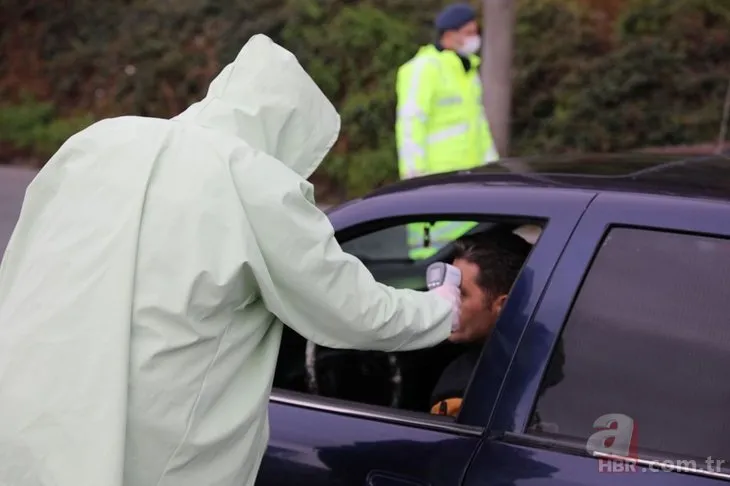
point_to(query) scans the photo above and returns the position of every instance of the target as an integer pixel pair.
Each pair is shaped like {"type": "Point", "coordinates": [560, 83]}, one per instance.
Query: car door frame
{"type": "Point", "coordinates": [507, 429]}
{"type": "Point", "coordinates": [561, 207]}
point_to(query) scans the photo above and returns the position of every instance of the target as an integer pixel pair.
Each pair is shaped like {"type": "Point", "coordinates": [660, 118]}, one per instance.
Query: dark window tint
{"type": "Point", "coordinates": [649, 337]}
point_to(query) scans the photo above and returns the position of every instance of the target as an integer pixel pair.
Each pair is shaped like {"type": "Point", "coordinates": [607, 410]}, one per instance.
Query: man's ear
{"type": "Point", "coordinates": [499, 302]}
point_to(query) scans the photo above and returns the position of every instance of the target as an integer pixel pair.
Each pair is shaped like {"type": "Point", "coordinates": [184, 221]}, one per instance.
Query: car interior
{"type": "Point", "coordinates": [401, 380]}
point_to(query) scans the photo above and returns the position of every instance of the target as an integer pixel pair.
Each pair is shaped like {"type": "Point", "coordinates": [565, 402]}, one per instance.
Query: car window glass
{"type": "Point", "coordinates": [398, 242]}
{"type": "Point", "coordinates": [405, 380]}
{"type": "Point", "coordinates": [647, 340]}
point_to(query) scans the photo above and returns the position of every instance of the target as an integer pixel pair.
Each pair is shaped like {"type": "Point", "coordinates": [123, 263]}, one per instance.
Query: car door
{"type": "Point", "coordinates": [633, 329]}
{"type": "Point", "coordinates": [320, 441]}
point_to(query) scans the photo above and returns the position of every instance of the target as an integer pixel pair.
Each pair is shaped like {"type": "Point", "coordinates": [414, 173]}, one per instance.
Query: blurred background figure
{"type": "Point", "coordinates": [440, 117]}
{"type": "Point", "coordinates": [440, 121]}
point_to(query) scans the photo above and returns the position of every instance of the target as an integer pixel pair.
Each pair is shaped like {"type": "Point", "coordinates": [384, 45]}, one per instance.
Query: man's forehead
{"type": "Point", "coordinates": [469, 270]}
{"type": "Point", "coordinates": [469, 27]}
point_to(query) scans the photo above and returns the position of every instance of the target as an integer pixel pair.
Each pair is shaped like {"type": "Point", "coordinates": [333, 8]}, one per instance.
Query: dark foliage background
{"type": "Point", "coordinates": [589, 75]}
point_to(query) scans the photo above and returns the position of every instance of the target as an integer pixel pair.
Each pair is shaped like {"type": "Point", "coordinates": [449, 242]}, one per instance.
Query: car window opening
{"type": "Point", "coordinates": [431, 381]}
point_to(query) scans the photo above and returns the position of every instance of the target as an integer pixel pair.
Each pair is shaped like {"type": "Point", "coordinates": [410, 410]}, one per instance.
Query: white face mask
{"type": "Point", "coordinates": [471, 45]}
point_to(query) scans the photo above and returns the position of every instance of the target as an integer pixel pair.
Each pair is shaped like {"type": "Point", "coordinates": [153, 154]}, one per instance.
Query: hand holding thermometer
{"type": "Point", "coordinates": [440, 273]}
{"type": "Point", "coordinates": [445, 280]}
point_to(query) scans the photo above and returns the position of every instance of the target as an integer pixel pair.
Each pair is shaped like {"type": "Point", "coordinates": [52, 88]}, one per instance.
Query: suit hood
{"type": "Point", "coordinates": [265, 98]}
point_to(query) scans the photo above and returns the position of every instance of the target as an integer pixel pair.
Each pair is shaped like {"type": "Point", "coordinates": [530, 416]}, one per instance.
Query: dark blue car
{"type": "Point", "coordinates": [608, 366]}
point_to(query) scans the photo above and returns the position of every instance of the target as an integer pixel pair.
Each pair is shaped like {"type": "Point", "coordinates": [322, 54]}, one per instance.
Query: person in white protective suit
{"type": "Point", "coordinates": [144, 289]}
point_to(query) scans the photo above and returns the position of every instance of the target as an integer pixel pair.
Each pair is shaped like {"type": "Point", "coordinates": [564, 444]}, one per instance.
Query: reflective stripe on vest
{"type": "Point", "coordinates": [449, 100]}
{"type": "Point", "coordinates": [410, 150]}
{"type": "Point", "coordinates": [447, 133]}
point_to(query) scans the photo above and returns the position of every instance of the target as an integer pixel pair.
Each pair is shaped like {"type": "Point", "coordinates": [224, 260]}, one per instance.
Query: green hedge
{"type": "Point", "coordinates": [35, 126]}
{"type": "Point", "coordinates": [353, 60]}
{"type": "Point", "coordinates": [663, 83]}
{"type": "Point", "coordinates": [658, 79]}
{"type": "Point", "coordinates": [553, 40]}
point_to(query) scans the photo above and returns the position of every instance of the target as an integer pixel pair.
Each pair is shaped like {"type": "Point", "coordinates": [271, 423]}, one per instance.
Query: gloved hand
{"type": "Point", "coordinates": [452, 293]}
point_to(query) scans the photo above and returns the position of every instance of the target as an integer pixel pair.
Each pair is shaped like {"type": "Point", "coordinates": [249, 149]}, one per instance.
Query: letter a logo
{"type": "Point", "coordinates": [616, 436]}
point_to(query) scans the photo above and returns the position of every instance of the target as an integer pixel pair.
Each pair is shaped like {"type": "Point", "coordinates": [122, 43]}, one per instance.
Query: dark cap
{"type": "Point", "coordinates": [455, 17]}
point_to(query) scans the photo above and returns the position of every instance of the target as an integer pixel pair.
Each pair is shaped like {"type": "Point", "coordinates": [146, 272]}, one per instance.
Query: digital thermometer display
{"type": "Point", "coordinates": [440, 273]}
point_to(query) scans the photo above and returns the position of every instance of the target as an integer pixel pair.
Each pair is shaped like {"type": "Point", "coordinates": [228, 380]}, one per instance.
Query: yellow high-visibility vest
{"type": "Point", "coordinates": [440, 127]}
{"type": "Point", "coordinates": [440, 122]}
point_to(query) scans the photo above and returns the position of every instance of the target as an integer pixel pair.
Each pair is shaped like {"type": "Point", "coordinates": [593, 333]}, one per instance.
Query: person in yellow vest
{"type": "Point", "coordinates": [440, 120]}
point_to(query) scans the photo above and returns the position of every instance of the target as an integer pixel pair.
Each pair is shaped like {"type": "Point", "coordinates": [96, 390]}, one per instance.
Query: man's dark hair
{"type": "Point", "coordinates": [499, 254]}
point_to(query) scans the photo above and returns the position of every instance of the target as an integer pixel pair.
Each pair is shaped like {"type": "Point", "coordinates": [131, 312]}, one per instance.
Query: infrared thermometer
{"type": "Point", "coordinates": [440, 273]}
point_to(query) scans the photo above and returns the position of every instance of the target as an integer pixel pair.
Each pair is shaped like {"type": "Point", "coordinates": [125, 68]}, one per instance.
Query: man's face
{"type": "Point", "coordinates": [468, 30]}
{"type": "Point", "coordinates": [479, 311]}
{"type": "Point", "coordinates": [459, 39]}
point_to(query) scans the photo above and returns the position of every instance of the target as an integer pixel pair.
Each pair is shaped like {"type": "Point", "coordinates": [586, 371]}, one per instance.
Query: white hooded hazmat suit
{"type": "Point", "coordinates": [143, 291]}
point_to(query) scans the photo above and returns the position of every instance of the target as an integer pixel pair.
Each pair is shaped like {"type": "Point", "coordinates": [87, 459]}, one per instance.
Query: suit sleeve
{"type": "Point", "coordinates": [312, 285]}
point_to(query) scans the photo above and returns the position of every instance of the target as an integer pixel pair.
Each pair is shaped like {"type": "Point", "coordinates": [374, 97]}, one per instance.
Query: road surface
{"type": "Point", "coordinates": [13, 181]}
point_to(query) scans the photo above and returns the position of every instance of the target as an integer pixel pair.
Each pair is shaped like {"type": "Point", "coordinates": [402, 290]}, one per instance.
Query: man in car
{"type": "Point", "coordinates": [489, 264]}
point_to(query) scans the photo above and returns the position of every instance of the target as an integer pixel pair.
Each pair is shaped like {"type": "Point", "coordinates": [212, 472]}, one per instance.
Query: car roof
{"type": "Point", "coordinates": [694, 176]}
